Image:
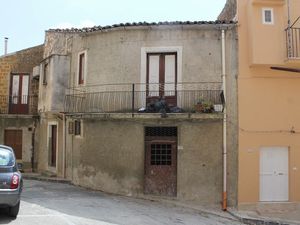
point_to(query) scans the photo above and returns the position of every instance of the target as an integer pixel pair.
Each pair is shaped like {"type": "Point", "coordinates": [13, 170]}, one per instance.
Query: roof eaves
{"type": "Point", "coordinates": [108, 27]}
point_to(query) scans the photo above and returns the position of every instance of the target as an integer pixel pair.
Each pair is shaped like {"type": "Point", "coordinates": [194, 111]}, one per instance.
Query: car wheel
{"type": "Point", "coordinates": [13, 211]}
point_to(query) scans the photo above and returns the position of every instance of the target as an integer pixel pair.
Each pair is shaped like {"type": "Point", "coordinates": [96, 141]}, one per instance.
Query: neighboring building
{"type": "Point", "coordinates": [95, 135]}
{"type": "Point", "coordinates": [268, 100]}
{"type": "Point", "coordinates": [18, 102]}
{"type": "Point", "coordinates": [229, 11]}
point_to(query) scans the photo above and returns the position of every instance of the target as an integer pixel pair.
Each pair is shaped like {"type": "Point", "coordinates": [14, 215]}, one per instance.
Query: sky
{"type": "Point", "coordinates": [24, 21]}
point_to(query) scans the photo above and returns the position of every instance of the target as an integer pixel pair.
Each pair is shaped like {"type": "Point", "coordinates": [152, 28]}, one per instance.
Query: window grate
{"type": "Point", "coordinates": [161, 154]}
{"type": "Point", "coordinates": [161, 131]}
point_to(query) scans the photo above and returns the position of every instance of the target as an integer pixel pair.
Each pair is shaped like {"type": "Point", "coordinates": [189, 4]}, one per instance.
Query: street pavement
{"type": "Point", "coordinates": [48, 203]}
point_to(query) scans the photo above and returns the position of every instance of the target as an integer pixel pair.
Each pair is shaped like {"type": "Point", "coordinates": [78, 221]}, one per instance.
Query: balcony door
{"type": "Point", "coordinates": [19, 90]}
{"type": "Point", "coordinates": [162, 77]}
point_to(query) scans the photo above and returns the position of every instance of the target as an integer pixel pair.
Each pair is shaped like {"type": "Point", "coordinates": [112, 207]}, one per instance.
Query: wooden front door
{"type": "Point", "coordinates": [162, 77]}
{"type": "Point", "coordinates": [13, 138]}
{"type": "Point", "coordinates": [19, 90]}
{"type": "Point", "coordinates": [161, 162]}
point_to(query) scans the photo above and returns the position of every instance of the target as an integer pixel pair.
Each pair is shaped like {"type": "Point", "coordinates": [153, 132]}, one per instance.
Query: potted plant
{"type": "Point", "coordinates": [208, 107]}
{"type": "Point", "coordinates": [204, 106]}
{"type": "Point", "coordinates": [199, 105]}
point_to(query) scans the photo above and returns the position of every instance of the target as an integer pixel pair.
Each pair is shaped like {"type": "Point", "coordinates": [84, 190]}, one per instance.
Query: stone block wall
{"type": "Point", "coordinates": [19, 62]}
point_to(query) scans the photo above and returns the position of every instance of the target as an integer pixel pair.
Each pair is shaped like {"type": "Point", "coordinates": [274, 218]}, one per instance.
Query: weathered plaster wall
{"type": "Point", "coordinates": [110, 157]}
{"type": "Point", "coordinates": [115, 56]}
{"type": "Point", "coordinates": [52, 94]}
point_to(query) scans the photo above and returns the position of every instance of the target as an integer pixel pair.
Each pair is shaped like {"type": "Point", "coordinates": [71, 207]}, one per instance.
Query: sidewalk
{"type": "Point", "coordinates": [270, 214]}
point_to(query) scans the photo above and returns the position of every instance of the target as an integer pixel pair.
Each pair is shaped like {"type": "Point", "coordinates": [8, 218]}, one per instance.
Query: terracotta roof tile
{"type": "Point", "coordinates": [97, 28]}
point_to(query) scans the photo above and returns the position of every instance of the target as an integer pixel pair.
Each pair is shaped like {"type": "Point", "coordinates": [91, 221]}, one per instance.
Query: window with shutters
{"type": "Point", "coordinates": [77, 126]}
{"type": "Point", "coordinates": [81, 68]}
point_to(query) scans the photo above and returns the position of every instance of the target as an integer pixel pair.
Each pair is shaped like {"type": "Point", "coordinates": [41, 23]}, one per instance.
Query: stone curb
{"type": "Point", "coordinates": [48, 179]}
{"type": "Point", "coordinates": [256, 221]}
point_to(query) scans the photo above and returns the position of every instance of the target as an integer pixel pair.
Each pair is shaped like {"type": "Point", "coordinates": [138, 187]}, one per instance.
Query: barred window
{"type": "Point", "coordinates": [161, 154]}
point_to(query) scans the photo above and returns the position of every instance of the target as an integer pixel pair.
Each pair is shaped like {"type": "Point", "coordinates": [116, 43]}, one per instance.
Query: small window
{"type": "Point", "coordinates": [267, 15]}
{"type": "Point", "coordinates": [81, 72]}
{"type": "Point", "coordinates": [45, 73]}
{"type": "Point", "coordinates": [77, 127]}
{"type": "Point", "coordinates": [161, 154]}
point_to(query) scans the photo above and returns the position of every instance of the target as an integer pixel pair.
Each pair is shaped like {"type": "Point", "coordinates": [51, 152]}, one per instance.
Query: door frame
{"type": "Point", "coordinates": [172, 99]}
{"type": "Point", "coordinates": [49, 130]}
{"type": "Point", "coordinates": [19, 108]}
{"type": "Point", "coordinates": [143, 74]}
{"type": "Point", "coordinates": [173, 140]}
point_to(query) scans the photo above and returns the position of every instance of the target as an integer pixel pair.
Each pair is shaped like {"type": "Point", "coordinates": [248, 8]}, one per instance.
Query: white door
{"type": "Point", "coordinates": [274, 181]}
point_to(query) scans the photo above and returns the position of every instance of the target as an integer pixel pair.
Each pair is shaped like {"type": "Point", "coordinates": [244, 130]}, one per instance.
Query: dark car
{"type": "Point", "coordinates": [10, 181]}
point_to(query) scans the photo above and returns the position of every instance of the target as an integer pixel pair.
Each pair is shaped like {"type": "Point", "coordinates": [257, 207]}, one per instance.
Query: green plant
{"type": "Point", "coordinates": [204, 106]}
{"type": "Point", "coordinates": [208, 107]}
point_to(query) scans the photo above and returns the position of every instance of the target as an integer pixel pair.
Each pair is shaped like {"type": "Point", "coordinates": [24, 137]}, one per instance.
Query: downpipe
{"type": "Point", "coordinates": [224, 194]}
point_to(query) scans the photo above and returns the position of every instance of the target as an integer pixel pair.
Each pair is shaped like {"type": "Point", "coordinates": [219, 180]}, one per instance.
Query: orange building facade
{"type": "Point", "coordinates": [269, 101]}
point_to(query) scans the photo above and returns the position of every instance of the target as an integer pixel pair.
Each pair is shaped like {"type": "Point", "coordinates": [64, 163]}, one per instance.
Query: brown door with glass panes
{"type": "Point", "coordinates": [162, 77]}
{"type": "Point", "coordinates": [160, 161]}
{"type": "Point", "coordinates": [19, 90]}
{"type": "Point", "coordinates": [13, 138]}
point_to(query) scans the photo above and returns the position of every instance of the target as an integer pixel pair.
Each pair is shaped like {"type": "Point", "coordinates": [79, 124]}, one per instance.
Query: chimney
{"type": "Point", "coordinates": [5, 45]}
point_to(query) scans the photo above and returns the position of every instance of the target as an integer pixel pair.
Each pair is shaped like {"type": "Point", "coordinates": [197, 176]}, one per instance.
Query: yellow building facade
{"type": "Point", "coordinates": [269, 101]}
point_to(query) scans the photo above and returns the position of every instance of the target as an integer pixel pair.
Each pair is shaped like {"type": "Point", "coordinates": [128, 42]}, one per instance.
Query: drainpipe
{"type": "Point", "coordinates": [224, 205]}
{"type": "Point", "coordinates": [64, 145]}
{"type": "Point", "coordinates": [289, 30]}
{"type": "Point", "coordinates": [33, 146]}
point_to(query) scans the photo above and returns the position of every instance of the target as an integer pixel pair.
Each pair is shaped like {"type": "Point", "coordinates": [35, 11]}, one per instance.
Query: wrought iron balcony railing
{"type": "Point", "coordinates": [22, 104]}
{"type": "Point", "coordinates": [293, 41]}
{"type": "Point", "coordinates": [132, 98]}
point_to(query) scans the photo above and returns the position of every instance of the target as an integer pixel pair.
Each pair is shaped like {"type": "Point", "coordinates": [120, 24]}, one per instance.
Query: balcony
{"type": "Point", "coordinates": [293, 41]}
{"type": "Point", "coordinates": [21, 105]}
{"type": "Point", "coordinates": [144, 98]}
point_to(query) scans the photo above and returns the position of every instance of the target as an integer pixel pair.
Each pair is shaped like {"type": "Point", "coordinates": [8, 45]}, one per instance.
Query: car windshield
{"type": "Point", "coordinates": [6, 157]}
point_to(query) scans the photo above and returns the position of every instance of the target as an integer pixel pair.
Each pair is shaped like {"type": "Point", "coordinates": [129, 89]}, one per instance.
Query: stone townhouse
{"type": "Point", "coordinates": [142, 109]}
{"type": "Point", "coordinates": [18, 103]}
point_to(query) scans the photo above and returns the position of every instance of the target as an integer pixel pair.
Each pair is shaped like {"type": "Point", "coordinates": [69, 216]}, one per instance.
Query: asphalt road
{"type": "Point", "coordinates": [62, 204]}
